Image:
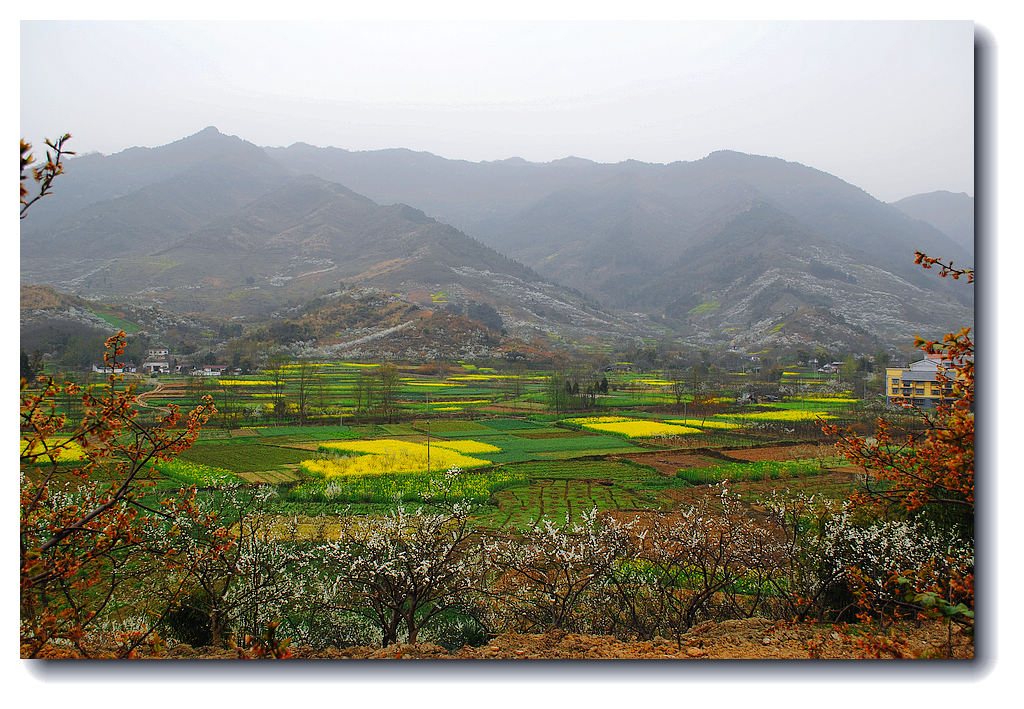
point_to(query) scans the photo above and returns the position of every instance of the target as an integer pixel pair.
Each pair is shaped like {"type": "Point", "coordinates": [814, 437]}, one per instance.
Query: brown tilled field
{"type": "Point", "coordinates": [794, 452]}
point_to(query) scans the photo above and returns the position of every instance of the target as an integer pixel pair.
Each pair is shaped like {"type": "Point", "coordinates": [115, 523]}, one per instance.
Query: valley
{"type": "Point", "coordinates": [368, 402]}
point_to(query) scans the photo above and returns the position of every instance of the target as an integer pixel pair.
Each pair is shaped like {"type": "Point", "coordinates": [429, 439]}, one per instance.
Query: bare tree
{"type": "Point", "coordinates": [275, 370]}
{"type": "Point", "coordinates": [678, 388]}
{"type": "Point", "coordinates": [365, 392]}
{"type": "Point", "coordinates": [307, 375]}
{"type": "Point", "coordinates": [388, 381]}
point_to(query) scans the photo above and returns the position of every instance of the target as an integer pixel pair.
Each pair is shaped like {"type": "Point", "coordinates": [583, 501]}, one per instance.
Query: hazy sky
{"type": "Point", "coordinates": [887, 106]}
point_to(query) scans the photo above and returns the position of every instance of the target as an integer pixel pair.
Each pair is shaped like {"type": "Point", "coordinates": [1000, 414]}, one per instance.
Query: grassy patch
{"type": "Point", "coordinates": [448, 426]}
{"type": "Point", "coordinates": [239, 457]}
{"type": "Point", "coordinates": [703, 308]}
{"type": "Point", "coordinates": [115, 321]}
{"type": "Point", "coordinates": [477, 485]}
{"type": "Point", "coordinates": [509, 424]}
{"type": "Point", "coordinates": [758, 471]}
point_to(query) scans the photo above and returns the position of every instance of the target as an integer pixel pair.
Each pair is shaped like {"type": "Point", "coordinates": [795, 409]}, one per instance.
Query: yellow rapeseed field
{"type": "Point", "coordinates": [466, 446]}
{"type": "Point", "coordinates": [382, 456]}
{"type": "Point", "coordinates": [780, 415]}
{"type": "Point", "coordinates": [631, 428]}
{"type": "Point", "coordinates": [245, 382]}
{"type": "Point", "coordinates": [643, 429]}
{"type": "Point", "coordinates": [477, 377]}
{"type": "Point", "coordinates": [705, 423]}
{"type": "Point", "coordinates": [66, 452]}
{"type": "Point", "coordinates": [588, 420]}
{"type": "Point", "coordinates": [825, 399]}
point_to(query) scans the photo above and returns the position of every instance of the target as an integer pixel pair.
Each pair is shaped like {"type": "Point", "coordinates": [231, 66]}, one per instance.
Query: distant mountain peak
{"type": "Point", "coordinates": [935, 194]}
{"type": "Point", "coordinates": [950, 212]}
{"type": "Point", "coordinates": [572, 160]}
{"type": "Point", "coordinates": [734, 156]}
{"type": "Point", "coordinates": [210, 135]}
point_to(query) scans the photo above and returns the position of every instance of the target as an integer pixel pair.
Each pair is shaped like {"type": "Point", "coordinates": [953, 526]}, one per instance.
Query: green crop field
{"type": "Point", "coordinates": [476, 485]}
{"type": "Point", "coordinates": [582, 470]}
{"type": "Point", "coordinates": [542, 467]}
{"type": "Point", "coordinates": [243, 456]}
{"type": "Point", "coordinates": [115, 321]}
{"type": "Point", "coordinates": [759, 471]}
{"type": "Point", "coordinates": [526, 506]}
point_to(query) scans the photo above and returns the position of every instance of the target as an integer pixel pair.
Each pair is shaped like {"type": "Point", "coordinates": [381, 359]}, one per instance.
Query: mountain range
{"type": "Point", "coordinates": [732, 249]}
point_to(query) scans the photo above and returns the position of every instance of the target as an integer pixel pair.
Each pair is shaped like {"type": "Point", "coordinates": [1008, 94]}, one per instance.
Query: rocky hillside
{"type": "Point", "coordinates": [375, 324]}
{"type": "Point", "coordinates": [71, 329]}
{"type": "Point", "coordinates": [235, 236]}
{"type": "Point", "coordinates": [765, 279]}
{"type": "Point", "coordinates": [634, 235]}
{"type": "Point", "coordinates": [732, 249]}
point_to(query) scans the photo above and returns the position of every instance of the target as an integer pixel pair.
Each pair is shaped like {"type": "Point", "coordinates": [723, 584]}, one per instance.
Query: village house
{"type": "Point", "coordinates": [158, 360]}
{"type": "Point", "coordinates": [125, 368]}
{"type": "Point", "coordinates": [751, 364]}
{"type": "Point", "coordinates": [210, 370]}
{"type": "Point", "coordinates": [918, 384]}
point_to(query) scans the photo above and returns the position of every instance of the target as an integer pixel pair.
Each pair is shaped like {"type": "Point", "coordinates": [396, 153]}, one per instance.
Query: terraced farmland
{"type": "Point", "coordinates": [563, 491]}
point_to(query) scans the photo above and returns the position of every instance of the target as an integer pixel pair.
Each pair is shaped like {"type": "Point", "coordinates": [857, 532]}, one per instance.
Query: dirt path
{"type": "Point", "coordinates": [157, 391]}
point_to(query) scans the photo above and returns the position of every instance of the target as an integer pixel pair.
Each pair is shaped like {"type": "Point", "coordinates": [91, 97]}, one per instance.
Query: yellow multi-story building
{"type": "Point", "coordinates": [918, 384]}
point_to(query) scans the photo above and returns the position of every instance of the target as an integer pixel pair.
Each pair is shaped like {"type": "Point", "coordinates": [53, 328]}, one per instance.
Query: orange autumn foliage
{"type": "Point", "coordinates": [926, 475]}
{"type": "Point", "coordinates": [89, 535]}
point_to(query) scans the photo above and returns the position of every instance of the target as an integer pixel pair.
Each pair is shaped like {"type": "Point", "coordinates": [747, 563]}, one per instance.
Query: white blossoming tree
{"type": "Point", "coordinates": [552, 577]}
{"type": "Point", "coordinates": [403, 571]}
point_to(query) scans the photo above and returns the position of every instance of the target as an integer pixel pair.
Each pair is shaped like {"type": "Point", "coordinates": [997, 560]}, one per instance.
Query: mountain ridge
{"type": "Point", "coordinates": [949, 212]}
{"type": "Point", "coordinates": [217, 224]}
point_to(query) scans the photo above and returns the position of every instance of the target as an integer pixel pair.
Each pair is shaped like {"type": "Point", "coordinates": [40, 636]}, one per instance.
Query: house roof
{"type": "Point", "coordinates": [919, 376]}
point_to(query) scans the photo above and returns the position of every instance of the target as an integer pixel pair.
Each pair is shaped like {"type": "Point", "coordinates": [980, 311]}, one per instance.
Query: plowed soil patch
{"type": "Point", "coordinates": [803, 450]}
{"type": "Point", "coordinates": [669, 462]}
{"type": "Point", "coordinates": [273, 477]}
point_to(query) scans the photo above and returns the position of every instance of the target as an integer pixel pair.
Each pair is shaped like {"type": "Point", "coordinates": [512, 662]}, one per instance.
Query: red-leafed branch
{"type": "Point", "coordinates": [45, 173]}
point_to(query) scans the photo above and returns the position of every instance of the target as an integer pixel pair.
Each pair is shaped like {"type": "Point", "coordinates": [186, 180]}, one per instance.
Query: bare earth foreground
{"type": "Point", "coordinates": [754, 639]}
